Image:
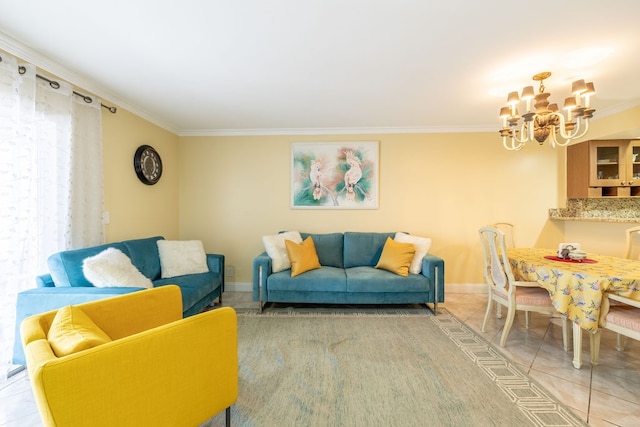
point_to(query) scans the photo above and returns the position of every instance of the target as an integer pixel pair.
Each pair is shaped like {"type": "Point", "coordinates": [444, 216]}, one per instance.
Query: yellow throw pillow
{"type": "Point", "coordinates": [396, 257]}
{"type": "Point", "coordinates": [72, 331]}
{"type": "Point", "coordinates": [303, 256]}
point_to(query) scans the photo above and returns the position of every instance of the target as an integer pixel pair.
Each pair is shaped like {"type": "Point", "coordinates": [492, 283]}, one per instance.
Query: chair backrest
{"type": "Point", "coordinates": [497, 270]}
{"type": "Point", "coordinates": [507, 230]}
{"type": "Point", "coordinates": [633, 242]}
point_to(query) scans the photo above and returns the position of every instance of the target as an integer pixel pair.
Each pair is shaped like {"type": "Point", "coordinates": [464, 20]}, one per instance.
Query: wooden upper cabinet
{"type": "Point", "coordinates": [603, 168]}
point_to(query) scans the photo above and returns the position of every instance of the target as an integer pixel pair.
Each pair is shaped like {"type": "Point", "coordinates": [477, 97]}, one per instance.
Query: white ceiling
{"type": "Point", "coordinates": [321, 66]}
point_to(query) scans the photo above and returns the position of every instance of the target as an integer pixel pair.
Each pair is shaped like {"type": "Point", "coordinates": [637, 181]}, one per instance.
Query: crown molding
{"type": "Point", "coordinates": [334, 131]}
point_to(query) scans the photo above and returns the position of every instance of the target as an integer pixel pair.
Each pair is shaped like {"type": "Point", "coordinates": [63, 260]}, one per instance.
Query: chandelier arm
{"type": "Point", "coordinates": [579, 130]}
{"type": "Point", "coordinates": [524, 134]}
{"type": "Point", "coordinates": [553, 141]}
{"type": "Point", "coordinates": [513, 146]}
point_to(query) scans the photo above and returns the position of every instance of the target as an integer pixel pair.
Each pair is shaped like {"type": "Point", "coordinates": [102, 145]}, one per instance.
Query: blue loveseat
{"type": "Point", "coordinates": [66, 283]}
{"type": "Point", "coordinates": [348, 275]}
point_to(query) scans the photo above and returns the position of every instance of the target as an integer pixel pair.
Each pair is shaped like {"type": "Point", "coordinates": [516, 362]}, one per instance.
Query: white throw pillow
{"type": "Point", "coordinates": [422, 245]}
{"type": "Point", "coordinates": [277, 251]}
{"type": "Point", "coordinates": [180, 257]}
{"type": "Point", "coordinates": [112, 267]}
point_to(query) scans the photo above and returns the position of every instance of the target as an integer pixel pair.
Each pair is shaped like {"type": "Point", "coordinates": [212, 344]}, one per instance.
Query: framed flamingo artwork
{"type": "Point", "coordinates": [334, 175]}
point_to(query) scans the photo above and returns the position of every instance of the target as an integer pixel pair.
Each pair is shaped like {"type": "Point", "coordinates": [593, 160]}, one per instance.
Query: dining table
{"type": "Point", "coordinates": [576, 288]}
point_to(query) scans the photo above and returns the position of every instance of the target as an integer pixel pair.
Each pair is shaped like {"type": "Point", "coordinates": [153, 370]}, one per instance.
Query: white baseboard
{"type": "Point", "coordinates": [457, 288]}
{"type": "Point", "coordinates": [238, 287]}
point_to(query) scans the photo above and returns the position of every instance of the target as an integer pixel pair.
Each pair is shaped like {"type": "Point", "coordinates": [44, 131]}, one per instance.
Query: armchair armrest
{"type": "Point", "coordinates": [433, 268]}
{"type": "Point", "coordinates": [261, 270]}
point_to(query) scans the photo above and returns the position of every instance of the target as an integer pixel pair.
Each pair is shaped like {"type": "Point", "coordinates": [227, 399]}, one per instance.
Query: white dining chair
{"type": "Point", "coordinates": [507, 229]}
{"type": "Point", "coordinates": [618, 314]}
{"type": "Point", "coordinates": [633, 242]}
{"type": "Point", "coordinates": [505, 290]}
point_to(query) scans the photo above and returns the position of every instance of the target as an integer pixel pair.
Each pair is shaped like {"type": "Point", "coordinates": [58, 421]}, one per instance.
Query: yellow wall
{"type": "Point", "coordinates": [230, 191]}
{"type": "Point", "coordinates": [135, 209]}
{"type": "Point", "coordinates": [233, 190]}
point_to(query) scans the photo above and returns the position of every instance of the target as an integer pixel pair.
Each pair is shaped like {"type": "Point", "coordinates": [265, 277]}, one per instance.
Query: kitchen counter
{"type": "Point", "coordinates": [623, 209]}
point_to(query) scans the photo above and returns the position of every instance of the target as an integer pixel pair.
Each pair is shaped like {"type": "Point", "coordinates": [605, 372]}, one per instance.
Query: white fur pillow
{"type": "Point", "coordinates": [112, 267]}
{"type": "Point", "coordinates": [277, 251]}
{"type": "Point", "coordinates": [422, 244]}
{"type": "Point", "coordinates": [180, 257]}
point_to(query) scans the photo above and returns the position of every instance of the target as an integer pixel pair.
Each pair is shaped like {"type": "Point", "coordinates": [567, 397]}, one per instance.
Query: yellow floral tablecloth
{"type": "Point", "coordinates": [576, 288]}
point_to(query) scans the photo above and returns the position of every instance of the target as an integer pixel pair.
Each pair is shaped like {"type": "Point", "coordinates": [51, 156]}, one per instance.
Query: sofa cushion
{"type": "Point", "coordinates": [72, 331]}
{"type": "Point", "coordinates": [363, 249]}
{"type": "Point", "coordinates": [422, 244]}
{"type": "Point", "coordinates": [323, 279]}
{"type": "Point", "coordinates": [112, 268]}
{"type": "Point", "coordinates": [181, 257]}
{"type": "Point", "coordinates": [274, 245]}
{"type": "Point", "coordinates": [369, 279]}
{"type": "Point", "coordinates": [329, 248]}
{"type": "Point", "coordinates": [144, 255]}
{"type": "Point", "coordinates": [303, 256]}
{"type": "Point", "coordinates": [396, 257]}
{"type": "Point", "coordinates": [194, 287]}
{"type": "Point", "coordinates": [66, 266]}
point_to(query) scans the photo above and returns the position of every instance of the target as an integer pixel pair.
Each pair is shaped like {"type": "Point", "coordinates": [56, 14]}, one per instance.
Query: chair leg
{"type": "Point", "coordinates": [527, 319]}
{"type": "Point", "coordinates": [594, 344]}
{"type": "Point", "coordinates": [620, 341]}
{"type": "Point", "coordinates": [511, 313]}
{"type": "Point", "coordinates": [499, 311]}
{"type": "Point", "coordinates": [565, 332]}
{"type": "Point", "coordinates": [227, 417]}
{"type": "Point", "coordinates": [486, 314]}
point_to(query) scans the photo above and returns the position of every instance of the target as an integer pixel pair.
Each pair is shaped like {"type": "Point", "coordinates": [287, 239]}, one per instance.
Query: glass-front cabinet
{"type": "Point", "coordinates": [603, 168]}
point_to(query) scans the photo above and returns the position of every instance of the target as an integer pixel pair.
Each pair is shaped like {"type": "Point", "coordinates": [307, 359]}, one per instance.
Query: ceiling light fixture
{"type": "Point", "coordinates": [546, 122]}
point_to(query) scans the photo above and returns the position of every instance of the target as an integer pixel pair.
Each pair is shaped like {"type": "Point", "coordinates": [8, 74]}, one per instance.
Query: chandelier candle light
{"type": "Point", "coordinates": [546, 122]}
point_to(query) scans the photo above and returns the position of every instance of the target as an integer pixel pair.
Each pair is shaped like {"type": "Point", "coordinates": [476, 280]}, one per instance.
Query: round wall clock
{"type": "Point", "coordinates": [147, 164]}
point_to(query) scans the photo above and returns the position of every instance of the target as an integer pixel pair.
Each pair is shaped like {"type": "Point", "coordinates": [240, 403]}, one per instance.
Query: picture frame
{"type": "Point", "coordinates": [334, 175]}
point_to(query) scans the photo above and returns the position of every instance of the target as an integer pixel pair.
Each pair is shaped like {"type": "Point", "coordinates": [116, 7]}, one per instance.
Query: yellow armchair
{"type": "Point", "coordinates": [158, 370]}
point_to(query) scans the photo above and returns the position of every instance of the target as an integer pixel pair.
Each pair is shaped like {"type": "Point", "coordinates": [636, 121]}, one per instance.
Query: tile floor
{"type": "Point", "coordinates": [603, 395]}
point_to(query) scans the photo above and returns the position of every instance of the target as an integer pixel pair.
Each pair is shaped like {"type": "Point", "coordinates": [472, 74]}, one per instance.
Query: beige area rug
{"type": "Point", "coordinates": [379, 367]}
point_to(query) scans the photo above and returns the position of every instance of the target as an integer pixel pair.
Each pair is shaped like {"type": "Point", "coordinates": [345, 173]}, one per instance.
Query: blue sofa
{"type": "Point", "coordinates": [348, 276]}
{"type": "Point", "coordinates": [66, 283]}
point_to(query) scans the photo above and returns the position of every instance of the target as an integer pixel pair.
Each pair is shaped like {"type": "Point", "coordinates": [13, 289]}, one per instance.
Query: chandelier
{"type": "Point", "coordinates": [545, 121]}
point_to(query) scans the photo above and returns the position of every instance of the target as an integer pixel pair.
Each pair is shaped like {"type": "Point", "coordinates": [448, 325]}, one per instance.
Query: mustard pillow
{"type": "Point", "coordinates": [396, 257]}
{"type": "Point", "coordinates": [303, 256]}
{"type": "Point", "coordinates": [72, 331]}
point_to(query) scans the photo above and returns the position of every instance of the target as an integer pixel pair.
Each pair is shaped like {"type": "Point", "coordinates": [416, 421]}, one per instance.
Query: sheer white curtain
{"type": "Point", "coordinates": [51, 190]}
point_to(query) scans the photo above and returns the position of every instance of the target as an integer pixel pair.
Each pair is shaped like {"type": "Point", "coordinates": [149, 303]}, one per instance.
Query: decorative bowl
{"type": "Point", "coordinates": [577, 255]}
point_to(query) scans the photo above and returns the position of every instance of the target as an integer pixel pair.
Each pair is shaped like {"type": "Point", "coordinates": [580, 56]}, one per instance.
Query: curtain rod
{"type": "Point", "coordinates": [54, 84]}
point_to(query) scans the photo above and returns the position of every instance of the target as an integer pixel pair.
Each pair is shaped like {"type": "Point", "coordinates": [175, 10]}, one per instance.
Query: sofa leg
{"type": "Point", "coordinates": [434, 309]}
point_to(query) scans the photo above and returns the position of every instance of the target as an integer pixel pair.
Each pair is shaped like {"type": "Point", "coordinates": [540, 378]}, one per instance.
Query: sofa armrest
{"type": "Point", "coordinates": [215, 262]}
{"type": "Point", "coordinates": [175, 374]}
{"type": "Point", "coordinates": [261, 270]}
{"type": "Point", "coordinates": [45, 281]}
{"type": "Point", "coordinates": [433, 268]}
